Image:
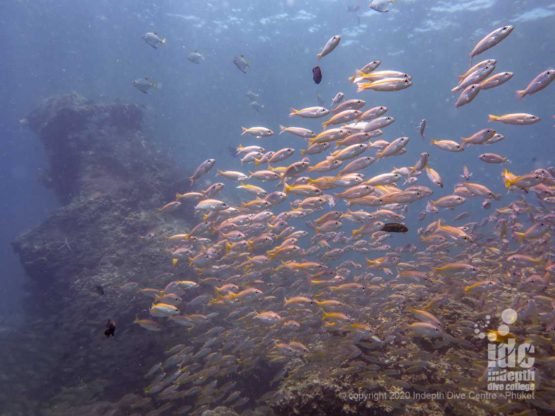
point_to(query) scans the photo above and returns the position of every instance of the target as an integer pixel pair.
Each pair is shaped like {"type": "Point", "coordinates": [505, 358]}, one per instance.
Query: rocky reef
{"type": "Point", "coordinates": [109, 178]}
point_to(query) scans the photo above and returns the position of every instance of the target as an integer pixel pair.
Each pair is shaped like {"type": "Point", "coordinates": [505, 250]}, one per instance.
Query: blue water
{"type": "Point", "coordinates": [51, 47]}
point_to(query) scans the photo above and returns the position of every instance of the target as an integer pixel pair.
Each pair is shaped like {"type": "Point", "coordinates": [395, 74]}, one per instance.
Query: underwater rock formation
{"type": "Point", "coordinates": [109, 178]}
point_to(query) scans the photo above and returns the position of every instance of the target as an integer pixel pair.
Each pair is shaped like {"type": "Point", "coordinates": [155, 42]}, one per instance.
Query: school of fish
{"type": "Point", "coordinates": [307, 264]}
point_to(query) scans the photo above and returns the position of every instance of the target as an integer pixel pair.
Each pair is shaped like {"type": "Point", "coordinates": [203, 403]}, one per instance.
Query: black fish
{"type": "Point", "coordinates": [110, 328]}
{"type": "Point", "coordinates": [99, 289]}
{"type": "Point", "coordinates": [317, 74]}
{"type": "Point", "coordinates": [395, 227]}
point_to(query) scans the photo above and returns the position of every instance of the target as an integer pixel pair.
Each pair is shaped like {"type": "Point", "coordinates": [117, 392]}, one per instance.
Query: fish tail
{"type": "Point", "coordinates": [362, 86]}
{"type": "Point", "coordinates": [191, 181]}
{"type": "Point", "coordinates": [303, 152]}
{"type": "Point", "coordinates": [351, 78]}
{"type": "Point", "coordinates": [438, 224]}
{"type": "Point", "coordinates": [243, 131]}
{"type": "Point", "coordinates": [293, 112]}
{"type": "Point", "coordinates": [492, 117]}
{"type": "Point", "coordinates": [520, 236]}
{"type": "Point", "coordinates": [286, 187]}
{"type": "Point", "coordinates": [520, 94]}
{"type": "Point", "coordinates": [282, 129]}
{"type": "Point", "coordinates": [507, 178]}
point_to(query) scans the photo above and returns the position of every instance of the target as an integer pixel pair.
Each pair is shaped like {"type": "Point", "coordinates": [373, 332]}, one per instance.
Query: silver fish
{"type": "Point", "coordinates": [241, 63]}
{"type": "Point", "coordinates": [467, 95]}
{"type": "Point", "coordinates": [537, 84]}
{"type": "Point", "coordinates": [491, 39]}
{"type": "Point", "coordinates": [196, 57]}
{"type": "Point", "coordinates": [329, 46]}
{"type": "Point", "coordinates": [154, 39]}
{"type": "Point", "coordinates": [145, 84]}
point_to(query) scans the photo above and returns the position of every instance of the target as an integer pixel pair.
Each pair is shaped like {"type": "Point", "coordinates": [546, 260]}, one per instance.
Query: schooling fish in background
{"type": "Point", "coordinates": [381, 6]}
{"type": "Point", "coordinates": [145, 84]}
{"type": "Point", "coordinates": [196, 57]}
{"type": "Point", "coordinates": [422, 128]}
{"type": "Point", "coordinates": [154, 39]}
{"type": "Point", "coordinates": [251, 95]}
{"type": "Point", "coordinates": [241, 63]}
{"type": "Point", "coordinates": [256, 106]}
{"type": "Point", "coordinates": [110, 330]}
{"type": "Point", "coordinates": [317, 74]}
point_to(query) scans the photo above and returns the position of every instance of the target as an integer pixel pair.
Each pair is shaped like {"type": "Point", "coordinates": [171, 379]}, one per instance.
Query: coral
{"type": "Point", "coordinates": [220, 411]}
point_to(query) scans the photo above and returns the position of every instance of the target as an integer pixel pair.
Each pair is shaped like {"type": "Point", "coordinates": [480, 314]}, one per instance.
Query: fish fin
{"type": "Point", "coordinates": [492, 117]}
{"type": "Point", "coordinates": [293, 112]}
{"type": "Point", "coordinates": [243, 131]}
{"type": "Point", "coordinates": [282, 129]}
{"type": "Point", "coordinates": [520, 94]}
